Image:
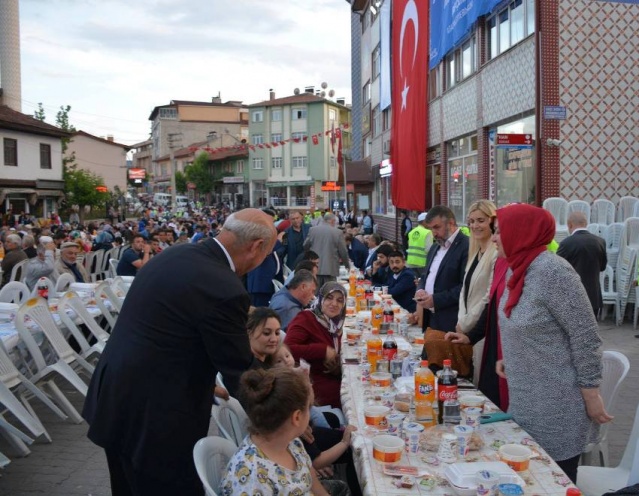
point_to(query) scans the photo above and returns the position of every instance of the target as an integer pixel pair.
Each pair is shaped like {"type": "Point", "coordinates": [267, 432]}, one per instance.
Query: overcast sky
{"type": "Point", "coordinates": [114, 60]}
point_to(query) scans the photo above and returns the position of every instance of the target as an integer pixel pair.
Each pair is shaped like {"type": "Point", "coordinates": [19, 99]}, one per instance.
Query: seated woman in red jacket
{"type": "Point", "coordinates": [315, 336]}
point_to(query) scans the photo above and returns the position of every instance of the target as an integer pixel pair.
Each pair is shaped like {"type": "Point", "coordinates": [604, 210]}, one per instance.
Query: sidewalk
{"type": "Point", "coordinates": [72, 465]}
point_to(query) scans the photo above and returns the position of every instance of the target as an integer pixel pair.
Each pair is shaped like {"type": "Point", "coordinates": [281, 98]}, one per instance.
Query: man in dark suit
{"type": "Point", "coordinates": [438, 293]}
{"type": "Point", "coordinates": [151, 394]}
{"type": "Point", "coordinates": [586, 252]}
{"type": "Point", "coordinates": [296, 234]}
{"type": "Point", "coordinates": [372, 241]}
{"type": "Point", "coordinates": [357, 252]}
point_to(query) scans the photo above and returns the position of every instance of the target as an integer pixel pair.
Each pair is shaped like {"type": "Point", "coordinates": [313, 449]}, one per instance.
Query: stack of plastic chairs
{"type": "Point", "coordinates": [579, 206]}
{"type": "Point", "coordinates": [602, 212]}
{"type": "Point", "coordinates": [626, 207]}
{"type": "Point", "coordinates": [612, 236]}
{"type": "Point", "coordinates": [558, 207]}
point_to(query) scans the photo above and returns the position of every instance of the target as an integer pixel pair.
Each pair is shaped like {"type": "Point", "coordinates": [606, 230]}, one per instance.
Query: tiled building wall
{"type": "Point", "coordinates": [599, 86]}
{"type": "Point", "coordinates": [356, 87]}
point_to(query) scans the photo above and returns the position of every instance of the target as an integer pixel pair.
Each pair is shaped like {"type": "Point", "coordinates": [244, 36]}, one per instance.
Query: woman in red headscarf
{"type": "Point", "coordinates": [549, 338]}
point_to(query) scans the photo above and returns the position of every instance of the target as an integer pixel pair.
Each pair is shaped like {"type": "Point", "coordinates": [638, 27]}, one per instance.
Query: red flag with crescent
{"type": "Point", "coordinates": [409, 103]}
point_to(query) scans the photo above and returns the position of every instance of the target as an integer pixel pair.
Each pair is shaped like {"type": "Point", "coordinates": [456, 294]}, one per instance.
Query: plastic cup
{"type": "Point", "coordinates": [396, 365]}
{"type": "Point", "coordinates": [447, 452]}
{"type": "Point", "coordinates": [384, 289]}
{"type": "Point", "coordinates": [470, 417]}
{"type": "Point", "coordinates": [472, 401]}
{"type": "Point", "coordinates": [388, 399]}
{"type": "Point", "coordinates": [353, 335]}
{"type": "Point", "coordinates": [381, 379]}
{"type": "Point", "coordinates": [413, 432]}
{"type": "Point", "coordinates": [516, 456]}
{"type": "Point", "coordinates": [395, 421]}
{"type": "Point", "coordinates": [463, 433]}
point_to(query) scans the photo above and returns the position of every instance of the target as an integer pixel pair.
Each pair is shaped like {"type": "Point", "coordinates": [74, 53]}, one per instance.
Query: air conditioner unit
{"type": "Point", "coordinates": [386, 147]}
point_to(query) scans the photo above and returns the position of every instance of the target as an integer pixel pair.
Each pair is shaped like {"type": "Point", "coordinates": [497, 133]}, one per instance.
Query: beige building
{"type": "Point", "coordinates": [103, 157]}
{"type": "Point", "coordinates": [142, 157]}
{"type": "Point", "coordinates": [180, 123]}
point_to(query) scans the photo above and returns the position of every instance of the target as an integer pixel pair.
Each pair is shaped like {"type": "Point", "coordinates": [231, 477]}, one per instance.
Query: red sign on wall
{"type": "Point", "coordinates": [515, 140]}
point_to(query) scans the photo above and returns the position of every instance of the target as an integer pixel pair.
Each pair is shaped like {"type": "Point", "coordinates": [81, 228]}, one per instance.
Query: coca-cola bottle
{"type": "Point", "coordinates": [388, 312]}
{"type": "Point", "coordinates": [447, 387]}
{"type": "Point", "coordinates": [389, 350]}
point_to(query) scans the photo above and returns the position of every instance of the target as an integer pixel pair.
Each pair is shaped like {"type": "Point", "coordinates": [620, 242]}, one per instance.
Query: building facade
{"type": "Point", "coordinates": [142, 158]}
{"type": "Point", "coordinates": [294, 147]}
{"type": "Point", "coordinates": [571, 118]}
{"type": "Point", "coordinates": [31, 164]}
{"type": "Point", "coordinates": [176, 125]}
{"type": "Point", "coordinates": [103, 157]}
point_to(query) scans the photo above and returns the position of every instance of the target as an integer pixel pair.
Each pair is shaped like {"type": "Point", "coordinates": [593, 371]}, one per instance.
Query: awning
{"type": "Point", "coordinates": [15, 191]}
{"type": "Point", "coordinates": [50, 192]}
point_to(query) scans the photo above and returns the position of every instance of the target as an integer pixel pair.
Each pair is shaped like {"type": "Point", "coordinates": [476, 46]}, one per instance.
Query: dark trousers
{"type": "Point", "coordinates": [570, 467]}
{"type": "Point", "coordinates": [126, 481]}
{"type": "Point", "coordinates": [321, 280]}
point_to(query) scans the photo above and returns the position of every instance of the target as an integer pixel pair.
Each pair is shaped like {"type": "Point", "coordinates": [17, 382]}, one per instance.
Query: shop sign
{"type": "Point", "coordinates": [233, 180]}
{"type": "Point", "coordinates": [330, 186]}
{"type": "Point", "coordinates": [385, 168]}
{"type": "Point", "coordinates": [515, 140]}
{"type": "Point", "coordinates": [554, 112]}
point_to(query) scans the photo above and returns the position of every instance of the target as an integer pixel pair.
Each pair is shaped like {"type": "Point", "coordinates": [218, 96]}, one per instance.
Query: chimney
{"type": "Point", "coordinates": [340, 101]}
{"type": "Point", "coordinates": [10, 72]}
{"type": "Point", "coordinates": [310, 89]}
{"type": "Point", "coordinates": [110, 138]}
{"type": "Point", "coordinates": [217, 99]}
{"type": "Point", "coordinates": [271, 94]}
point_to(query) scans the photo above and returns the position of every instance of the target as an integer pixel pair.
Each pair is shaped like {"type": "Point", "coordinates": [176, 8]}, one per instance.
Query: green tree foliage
{"type": "Point", "coordinates": [199, 174]}
{"type": "Point", "coordinates": [180, 182]}
{"type": "Point", "coordinates": [39, 113]}
{"type": "Point", "coordinates": [80, 189]}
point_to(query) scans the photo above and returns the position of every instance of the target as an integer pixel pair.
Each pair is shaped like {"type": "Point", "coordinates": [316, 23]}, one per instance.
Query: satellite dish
{"type": "Point", "coordinates": [324, 85]}
{"type": "Point", "coordinates": [296, 91]}
{"type": "Point", "coordinates": [331, 93]}
{"type": "Point", "coordinates": [323, 94]}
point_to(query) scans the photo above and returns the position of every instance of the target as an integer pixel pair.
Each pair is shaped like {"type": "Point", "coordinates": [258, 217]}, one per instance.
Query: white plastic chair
{"type": "Point", "coordinates": [18, 273]}
{"type": "Point", "coordinates": [615, 369]}
{"type": "Point", "coordinates": [631, 232]}
{"type": "Point", "coordinates": [72, 301]}
{"type": "Point", "coordinates": [64, 281]}
{"type": "Point", "coordinates": [65, 358]}
{"type": "Point", "coordinates": [277, 285]}
{"type": "Point", "coordinates": [612, 236]}
{"type": "Point", "coordinates": [626, 207]}
{"type": "Point", "coordinates": [635, 315]}
{"type": "Point", "coordinates": [15, 292]}
{"type": "Point", "coordinates": [595, 481]}
{"type": "Point", "coordinates": [579, 206]}
{"type": "Point", "coordinates": [285, 271]}
{"type": "Point", "coordinates": [15, 437]}
{"type": "Point", "coordinates": [558, 207]}
{"type": "Point", "coordinates": [104, 292]}
{"type": "Point", "coordinates": [113, 267]}
{"type": "Point", "coordinates": [211, 456]}
{"type": "Point", "coordinates": [608, 293]}
{"type": "Point", "coordinates": [120, 287]}
{"type": "Point", "coordinates": [12, 385]}
{"type": "Point", "coordinates": [42, 282]}
{"type": "Point", "coordinates": [596, 229]}
{"type": "Point", "coordinates": [231, 420]}
{"type": "Point", "coordinates": [602, 212]}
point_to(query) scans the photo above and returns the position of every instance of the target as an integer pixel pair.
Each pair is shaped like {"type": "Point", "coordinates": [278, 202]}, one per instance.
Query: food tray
{"type": "Point", "coordinates": [462, 475]}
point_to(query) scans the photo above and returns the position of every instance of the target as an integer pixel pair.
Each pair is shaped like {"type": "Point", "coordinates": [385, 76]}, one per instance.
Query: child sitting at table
{"type": "Point", "coordinates": [271, 459]}
{"type": "Point", "coordinates": [324, 444]}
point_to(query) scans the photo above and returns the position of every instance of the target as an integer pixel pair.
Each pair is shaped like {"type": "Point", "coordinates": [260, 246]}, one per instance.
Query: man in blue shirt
{"type": "Point", "coordinates": [134, 257]}
{"type": "Point", "coordinates": [401, 284]}
{"type": "Point", "coordinates": [295, 297]}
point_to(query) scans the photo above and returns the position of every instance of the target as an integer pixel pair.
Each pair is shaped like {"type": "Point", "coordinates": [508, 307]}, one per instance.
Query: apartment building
{"type": "Point", "coordinates": [294, 149]}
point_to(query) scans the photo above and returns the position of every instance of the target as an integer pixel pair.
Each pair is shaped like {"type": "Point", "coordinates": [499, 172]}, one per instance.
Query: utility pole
{"type": "Point", "coordinates": [174, 141]}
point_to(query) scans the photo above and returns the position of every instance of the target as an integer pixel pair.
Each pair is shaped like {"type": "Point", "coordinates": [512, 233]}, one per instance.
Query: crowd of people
{"type": "Point", "coordinates": [204, 302]}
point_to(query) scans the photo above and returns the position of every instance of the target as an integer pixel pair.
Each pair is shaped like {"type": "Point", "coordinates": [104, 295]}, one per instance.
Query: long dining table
{"type": "Point", "coordinates": [544, 477]}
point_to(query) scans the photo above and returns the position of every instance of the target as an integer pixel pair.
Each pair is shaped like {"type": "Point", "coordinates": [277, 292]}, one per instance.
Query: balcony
{"type": "Point", "coordinates": [293, 202]}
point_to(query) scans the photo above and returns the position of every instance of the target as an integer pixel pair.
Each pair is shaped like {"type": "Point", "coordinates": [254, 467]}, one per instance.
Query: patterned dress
{"type": "Point", "coordinates": [251, 473]}
{"type": "Point", "coordinates": [551, 348]}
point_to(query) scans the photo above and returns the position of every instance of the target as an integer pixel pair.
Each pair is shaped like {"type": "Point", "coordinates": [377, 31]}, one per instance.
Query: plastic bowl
{"type": "Point", "coordinates": [381, 379]}
{"type": "Point", "coordinates": [472, 401]}
{"type": "Point", "coordinates": [375, 416]}
{"type": "Point", "coordinates": [387, 449]}
{"type": "Point", "coordinates": [516, 456]}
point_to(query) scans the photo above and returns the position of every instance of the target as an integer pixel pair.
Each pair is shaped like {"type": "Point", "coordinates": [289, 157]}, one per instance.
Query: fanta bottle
{"type": "Point", "coordinates": [424, 383]}
{"type": "Point", "coordinates": [374, 349]}
{"type": "Point", "coordinates": [352, 284]}
{"type": "Point", "coordinates": [377, 316]}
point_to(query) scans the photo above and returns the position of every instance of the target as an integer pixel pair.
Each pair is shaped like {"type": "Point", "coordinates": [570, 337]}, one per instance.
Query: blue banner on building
{"type": "Point", "coordinates": [451, 21]}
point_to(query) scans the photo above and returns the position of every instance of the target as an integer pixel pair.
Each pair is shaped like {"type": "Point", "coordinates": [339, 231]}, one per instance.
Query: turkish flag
{"type": "Point", "coordinates": [409, 103]}
{"type": "Point", "coordinates": [315, 139]}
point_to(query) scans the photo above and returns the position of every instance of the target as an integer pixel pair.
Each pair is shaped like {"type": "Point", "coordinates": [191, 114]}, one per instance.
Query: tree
{"type": "Point", "coordinates": [199, 174]}
{"type": "Point", "coordinates": [180, 182]}
{"type": "Point", "coordinates": [80, 188]}
{"type": "Point", "coordinates": [39, 113]}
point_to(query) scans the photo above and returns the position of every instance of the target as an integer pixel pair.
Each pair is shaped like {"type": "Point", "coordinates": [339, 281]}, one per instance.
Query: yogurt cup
{"type": "Point", "coordinates": [487, 483]}
{"type": "Point", "coordinates": [387, 449]}
{"type": "Point", "coordinates": [516, 456]}
{"type": "Point", "coordinates": [472, 401]}
{"type": "Point", "coordinates": [463, 433]}
{"type": "Point", "coordinates": [381, 379]}
{"type": "Point", "coordinates": [375, 416]}
{"type": "Point", "coordinates": [413, 432]}
{"type": "Point", "coordinates": [395, 421]}
{"type": "Point", "coordinates": [470, 417]}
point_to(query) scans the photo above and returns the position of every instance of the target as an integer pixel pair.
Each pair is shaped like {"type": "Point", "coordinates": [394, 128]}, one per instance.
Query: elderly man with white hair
{"type": "Point", "coordinates": [43, 265]}
{"type": "Point", "coordinates": [67, 262]}
{"type": "Point", "coordinates": [13, 254]}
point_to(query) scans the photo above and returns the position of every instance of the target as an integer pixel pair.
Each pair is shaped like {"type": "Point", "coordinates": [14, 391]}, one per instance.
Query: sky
{"type": "Point", "coordinates": [113, 61]}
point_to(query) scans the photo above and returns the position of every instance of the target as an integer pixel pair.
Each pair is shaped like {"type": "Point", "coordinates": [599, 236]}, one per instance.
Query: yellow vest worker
{"type": "Point", "coordinates": [465, 230]}
{"type": "Point", "coordinates": [420, 240]}
{"type": "Point", "coordinates": [552, 246]}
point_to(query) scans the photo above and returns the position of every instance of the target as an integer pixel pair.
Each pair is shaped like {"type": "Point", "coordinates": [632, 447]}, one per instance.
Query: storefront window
{"type": "Point", "coordinates": [515, 178]}
{"type": "Point", "coordinates": [463, 186]}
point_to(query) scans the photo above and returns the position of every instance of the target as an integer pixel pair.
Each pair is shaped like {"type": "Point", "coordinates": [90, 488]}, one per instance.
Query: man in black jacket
{"type": "Point", "coordinates": [151, 394]}
{"type": "Point", "coordinates": [586, 252]}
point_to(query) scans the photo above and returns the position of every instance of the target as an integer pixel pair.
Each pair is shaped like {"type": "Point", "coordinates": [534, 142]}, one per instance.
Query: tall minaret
{"type": "Point", "coordinates": [10, 72]}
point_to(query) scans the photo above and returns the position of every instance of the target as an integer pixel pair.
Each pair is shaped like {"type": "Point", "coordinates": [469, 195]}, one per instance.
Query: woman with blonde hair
{"type": "Point", "coordinates": [482, 255]}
